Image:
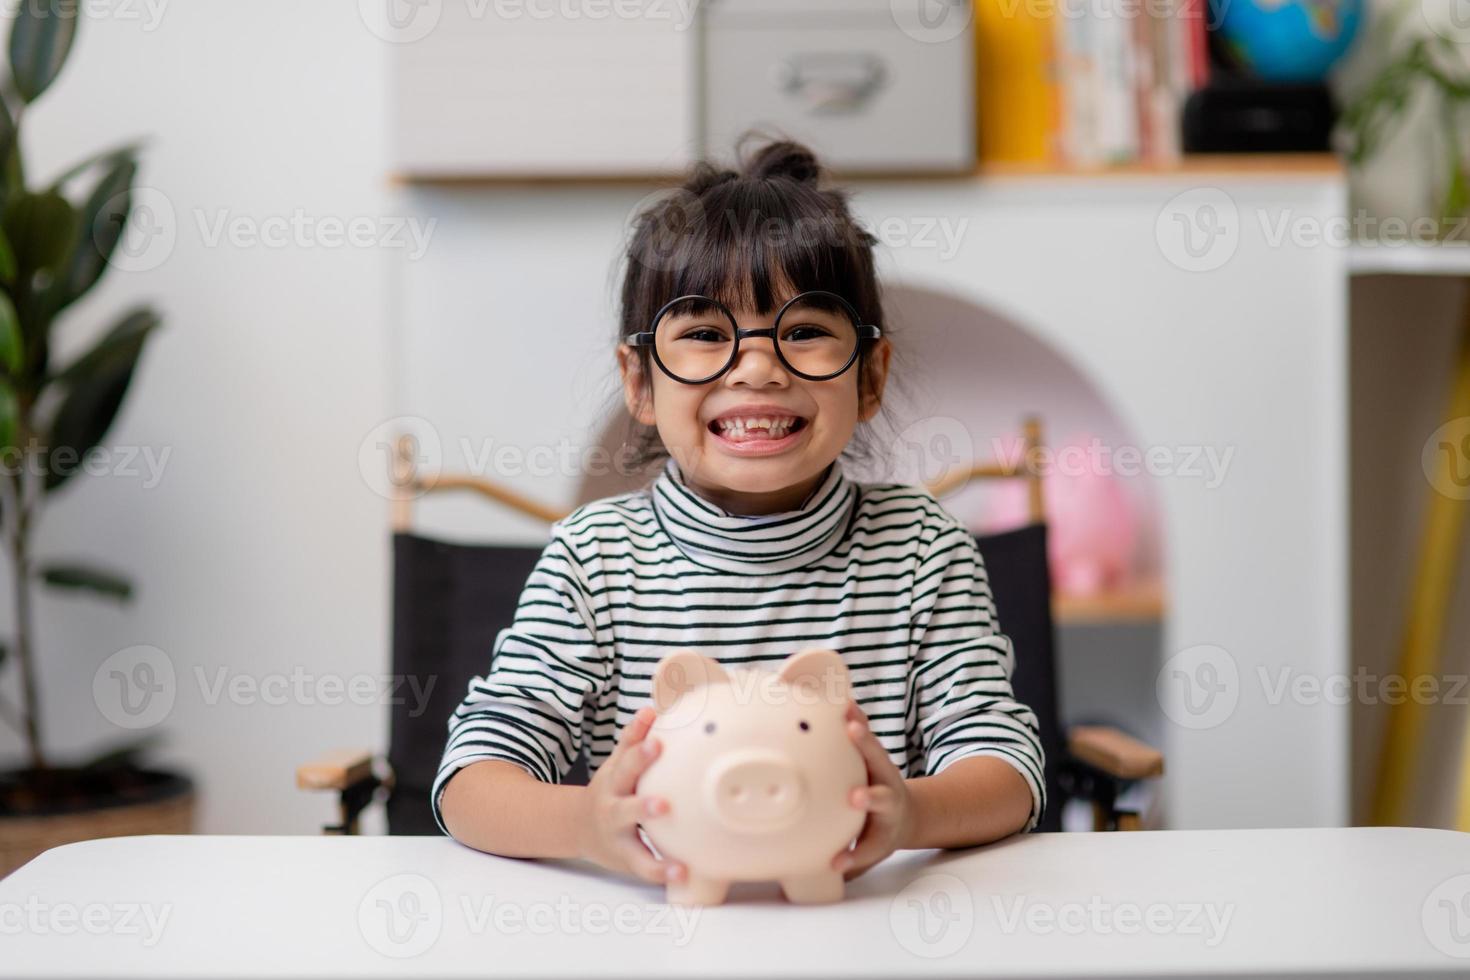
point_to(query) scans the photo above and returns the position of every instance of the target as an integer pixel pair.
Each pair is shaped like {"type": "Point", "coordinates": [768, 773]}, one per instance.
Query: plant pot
{"type": "Point", "coordinates": [61, 806]}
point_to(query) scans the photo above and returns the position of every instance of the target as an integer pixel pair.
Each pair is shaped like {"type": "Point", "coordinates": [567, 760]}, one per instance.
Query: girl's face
{"type": "Point", "coordinates": [753, 473]}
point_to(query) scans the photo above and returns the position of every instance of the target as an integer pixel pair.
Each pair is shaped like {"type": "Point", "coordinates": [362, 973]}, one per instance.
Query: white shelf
{"type": "Point", "coordinates": [1409, 259]}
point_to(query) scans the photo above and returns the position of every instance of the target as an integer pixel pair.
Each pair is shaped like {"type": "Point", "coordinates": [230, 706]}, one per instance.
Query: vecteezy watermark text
{"type": "Point", "coordinates": [403, 916]}
{"type": "Point", "coordinates": [128, 462]}
{"type": "Point", "coordinates": [141, 919]}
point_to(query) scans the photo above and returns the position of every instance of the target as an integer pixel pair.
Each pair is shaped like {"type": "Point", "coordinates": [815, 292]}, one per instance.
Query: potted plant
{"type": "Point", "coordinates": [1418, 66]}
{"type": "Point", "coordinates": [56, 242]}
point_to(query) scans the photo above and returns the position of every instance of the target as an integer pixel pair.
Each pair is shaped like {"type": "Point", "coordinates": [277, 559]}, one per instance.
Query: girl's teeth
{"type": "Point", "coordinates": [740, 429]}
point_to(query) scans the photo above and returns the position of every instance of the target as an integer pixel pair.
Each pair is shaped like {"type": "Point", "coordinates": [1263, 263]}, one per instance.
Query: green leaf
{"type": "Point", "coordinates": [123, 756]}
{"type": "Point", "coordinates": [106, 158]}
{"type": "Point", "coordinates": [77, 576]}
{"type": "Point", "coordinates": [96, 384]}
{"type": "Point", "coordinates": [12, 344]}
{"type": "Point", "coordinates": [40, 228]}
{"type": "Point", "coordinates": [7, 258]}
{"type": "Point", "coordinates": [100, 227]}
{"type": "Point", "coordinates": [40, 39]}
{"type": "Point", "coordinates": [9, 416]}
{"type": "Point", "coordinates": [7, 129]}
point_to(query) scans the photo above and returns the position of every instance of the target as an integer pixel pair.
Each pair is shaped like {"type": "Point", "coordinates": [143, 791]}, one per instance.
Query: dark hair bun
{"type": "Point", "coordinates": [784, 158]}
{"type": "Point", "coordinates": [706, 175]}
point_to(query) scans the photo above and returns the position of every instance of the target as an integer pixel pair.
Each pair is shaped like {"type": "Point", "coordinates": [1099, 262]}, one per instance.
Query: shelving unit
{"type": "Point", "coordinates": [1274, 166]}
{"type": "Point", "coordinates": [1409, 259]}
{"type": "Point", "coordinates": [1136, 603]}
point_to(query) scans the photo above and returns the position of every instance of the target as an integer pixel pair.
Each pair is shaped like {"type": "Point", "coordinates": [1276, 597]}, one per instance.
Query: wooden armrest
{"type": "Point", "coordinates": [337, 769]}
{"type": "Point", "coordinates": [1114, 753]}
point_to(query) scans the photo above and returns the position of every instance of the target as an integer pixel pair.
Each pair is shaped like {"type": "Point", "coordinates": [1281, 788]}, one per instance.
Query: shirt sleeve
{"type": "Point", "coordinates": [963, 665]}
{"type": "Point", "coordinates": [545, 670]}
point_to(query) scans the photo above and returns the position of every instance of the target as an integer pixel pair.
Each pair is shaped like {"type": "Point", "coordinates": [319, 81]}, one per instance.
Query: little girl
{"type": "Point", "coordinates": [752, 341]}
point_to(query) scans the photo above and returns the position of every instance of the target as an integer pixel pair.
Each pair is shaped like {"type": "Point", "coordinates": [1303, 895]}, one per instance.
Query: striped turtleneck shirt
{"type": "Point", "coordinates": [879, 572]}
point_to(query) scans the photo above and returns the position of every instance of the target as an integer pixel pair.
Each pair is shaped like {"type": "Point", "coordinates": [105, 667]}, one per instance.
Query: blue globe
{"type": "Point", "coordinates": [1287, 40]}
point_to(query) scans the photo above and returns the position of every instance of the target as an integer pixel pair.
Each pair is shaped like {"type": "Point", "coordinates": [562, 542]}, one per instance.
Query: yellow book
{"type": "Point", "coordinates": [1017, 102]}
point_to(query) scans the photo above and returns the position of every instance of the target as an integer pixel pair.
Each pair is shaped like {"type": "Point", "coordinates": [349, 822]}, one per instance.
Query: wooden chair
{"type": "Point", "coordinates": [451, 600]}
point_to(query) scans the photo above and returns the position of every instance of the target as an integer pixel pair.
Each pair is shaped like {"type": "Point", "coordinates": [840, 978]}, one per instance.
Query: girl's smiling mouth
{"type": "Point", "coordinates": [758, 434]}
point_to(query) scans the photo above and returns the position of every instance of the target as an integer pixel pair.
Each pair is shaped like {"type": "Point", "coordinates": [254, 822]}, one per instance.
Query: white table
{"type": "Point", "coordinates": [1373, 901]}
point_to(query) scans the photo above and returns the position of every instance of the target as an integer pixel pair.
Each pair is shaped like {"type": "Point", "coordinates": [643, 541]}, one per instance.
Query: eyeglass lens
{"type": "Point", "coordinates": [695, 339]}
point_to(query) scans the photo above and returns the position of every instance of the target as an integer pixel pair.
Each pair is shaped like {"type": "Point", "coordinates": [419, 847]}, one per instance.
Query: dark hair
{"type": "Point", "coordinates": [740, 236]}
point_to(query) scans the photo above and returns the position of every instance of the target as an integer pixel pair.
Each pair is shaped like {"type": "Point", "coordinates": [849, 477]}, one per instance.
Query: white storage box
{"type": "Point", "coordinates": [544, 88]}
{"type": "Point", "coordinates": [871, 85]}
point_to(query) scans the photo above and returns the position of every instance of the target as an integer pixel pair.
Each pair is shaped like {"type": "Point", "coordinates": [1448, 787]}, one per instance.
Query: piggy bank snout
{"type": "Point", "coordinates": [754, 790]}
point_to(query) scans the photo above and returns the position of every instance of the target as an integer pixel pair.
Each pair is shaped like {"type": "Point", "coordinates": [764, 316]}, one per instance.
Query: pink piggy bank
{"type": "Point", "coordinates": [757, 768]}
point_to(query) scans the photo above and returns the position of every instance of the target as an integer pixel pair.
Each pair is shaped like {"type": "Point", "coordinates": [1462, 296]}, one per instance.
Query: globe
{"type": "Point", "coordinates": [1286, 40]}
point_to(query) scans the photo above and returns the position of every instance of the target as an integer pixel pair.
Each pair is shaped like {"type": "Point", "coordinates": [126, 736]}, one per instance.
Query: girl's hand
{"type": "Point", "coordinates": [609, 825]}
{"type": "Point", "coordinates": [886, 799]}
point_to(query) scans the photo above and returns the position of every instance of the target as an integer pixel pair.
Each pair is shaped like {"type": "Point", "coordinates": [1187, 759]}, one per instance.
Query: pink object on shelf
{"type": "Point", "coordinates": [1091, 527]}
{"type": "Point", "coordinates": [757, 767]}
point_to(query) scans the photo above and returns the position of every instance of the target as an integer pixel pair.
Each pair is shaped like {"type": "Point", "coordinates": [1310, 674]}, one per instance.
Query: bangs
{"type": "Point", "coordinates": [751, 248]}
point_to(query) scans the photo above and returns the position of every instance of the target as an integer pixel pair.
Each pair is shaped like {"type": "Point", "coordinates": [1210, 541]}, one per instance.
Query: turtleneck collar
{"type": "Point", "coordinates": [754, 544]}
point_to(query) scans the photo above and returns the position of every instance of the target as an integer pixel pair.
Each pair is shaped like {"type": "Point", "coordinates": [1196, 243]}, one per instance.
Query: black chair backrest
{"type": "Point", "coordinates": [1020, 581]}
{"type": "Point", "coordinates": [450, 601]}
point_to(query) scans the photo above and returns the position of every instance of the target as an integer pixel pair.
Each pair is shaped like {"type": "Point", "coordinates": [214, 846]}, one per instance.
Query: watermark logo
{"type": "Point", "coordinates": [400, 21]}
{"type": "Point", "coordinates": [135, 687]}
{"type": "Point", "coordinates": [1199, 687]}
{"type": "Point", "coordinates": [931, 21]}
{"type": "Point", "coordinates": [931, 448]}
{"type": "Point", "coordinates": [401, 916]}
{"type": "Point", "coordinates": [1363, 687]}
{"type": "Point", "coordinates": [1450, 19]}
{"type": "Point", "coordinates": [1199, 230]}
{"type": "Point", "coordinates": [151, 232]}
{"type": "Point", "coordinates": [1207, 921]}
{"type": "Point", "coordinates": [149, 13]}
{"type": "Point", "coordinates": [153, 228]}
{"type": "Point", "coordinates": [1446, 459]}
{"type": "Point", "coordinates": [299, 687]}
{"type": "Point", "coordinates": [1208, 464]}
{"type": "Point", "coordinates": [567, 917]}
{"type": "Point", "coordinates": [397, 456]}
{"type": "Point", "coordinates": [933, 916]}
{"type": "Point", "coordinates": [673, 217]}
{"type": "Point", "coordinates": [692, 681]}
{"type": "Point", "coordinates": [1445, 916]}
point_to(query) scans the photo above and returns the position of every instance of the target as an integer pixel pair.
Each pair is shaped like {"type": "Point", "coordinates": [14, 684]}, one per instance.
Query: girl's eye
{"type": "Point", "coordinates": [704, 335]}
{"type": "Point", "coordinates": [709, 728]}
{"type": "Point", "coordinates": [805, 332]}
{"type": "Point", "coordinates": [804, 726]}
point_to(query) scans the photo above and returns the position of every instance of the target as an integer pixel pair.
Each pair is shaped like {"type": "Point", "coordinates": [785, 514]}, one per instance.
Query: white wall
{"type": "Point", "coordinates": [1248, 358]}
{"type": "Point", "coordinates": [262, 550]}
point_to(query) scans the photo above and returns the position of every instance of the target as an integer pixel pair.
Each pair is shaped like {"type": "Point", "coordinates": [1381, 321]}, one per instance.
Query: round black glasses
{"type": "Point", "coordinates": [817, 336]}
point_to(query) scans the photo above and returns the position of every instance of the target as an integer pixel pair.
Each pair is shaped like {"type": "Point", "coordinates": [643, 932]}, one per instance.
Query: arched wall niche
{"type": "Point", "coordinates": [965, 376]}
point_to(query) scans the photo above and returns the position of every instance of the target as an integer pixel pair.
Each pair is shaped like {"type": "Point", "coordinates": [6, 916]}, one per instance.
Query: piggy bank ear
{"type": "Point", "coordinates": [820, 672]}
{"type": "Point", "coordinates": [681, 671]}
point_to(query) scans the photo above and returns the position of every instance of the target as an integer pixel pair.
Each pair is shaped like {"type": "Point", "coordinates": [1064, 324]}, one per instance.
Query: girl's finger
{"type": "Point", "coordinates": [643, 864]}
{"type": "Point", "coordinates": [633, 764]}
{"type": "Point", "coordinates": [869, 851]}
{"type": "Point", "coordinates": [872, 751]}
{"type": "Point", "coordinates": [649, 867]}
{"type": "Point", "coordinates": [877, 798]}
{"type": "Point", "coordinates": [637, 757]}
{"type": "Point", "coordinates": [629, 811]}
{"type": "Point", "coordinates": [844, 858]}
{"type": "Point", "coordinates": [637, 729]}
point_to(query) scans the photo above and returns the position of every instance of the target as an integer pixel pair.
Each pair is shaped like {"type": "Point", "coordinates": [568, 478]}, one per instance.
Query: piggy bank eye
{"type": "Point", "coordinates": [805, 727]}
{"type": "Point", "coordinates": [709, 728]}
